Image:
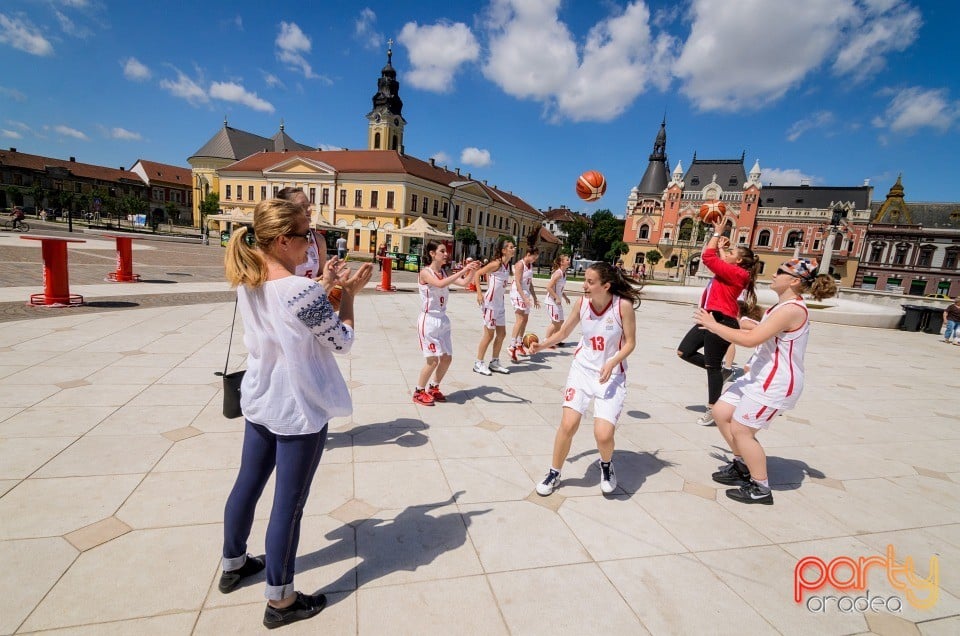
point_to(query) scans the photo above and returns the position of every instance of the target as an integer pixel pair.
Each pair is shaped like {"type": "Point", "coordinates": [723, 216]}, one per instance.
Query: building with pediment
{"type": "Point", "coordinates": [364, 192]}
{"type": "Point", "coordinates": [912, 248]}
{"type": "Point", "coordinates": [777, 222]}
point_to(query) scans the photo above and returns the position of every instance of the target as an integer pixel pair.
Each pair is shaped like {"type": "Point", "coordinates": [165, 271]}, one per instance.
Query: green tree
{"type": "Point", "coordinates": [209, 205]}
{"type": "Point", "coordinates": [14, 196]}
{"type": "Point", "coordinates": [37, 192]}
{"type": "Point", "coordinates": [172, 211]}
{"type": "Point", "coordinates": [653, 257]}
{"type": "Point", "coordinates": [617, 249]}
{"type": "Point", "coordinates": [607, 230]}
{"type": "Point", "coordinates": [576, 232]}
{"type": "Point", "coordinates": [467, 237]}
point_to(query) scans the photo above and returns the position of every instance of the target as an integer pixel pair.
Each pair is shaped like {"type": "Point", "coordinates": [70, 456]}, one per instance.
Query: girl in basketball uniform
{"type": "Point", "coordinates": [735, 270]}
{"type": "Point", "coordinates": [558, 280]}
{"type": "Point", "coordinates": [775, 379]}
{"type": "Point", "coordinates": [522, 297]}
{"type": "Point", "coordinates": [606, 314]}
{"type": "Point", "coordinates": [315, 266]}
{"type": "Point", "coordinates": [433, 326]}
{"type": "Point", "coordinates": [497, 272]}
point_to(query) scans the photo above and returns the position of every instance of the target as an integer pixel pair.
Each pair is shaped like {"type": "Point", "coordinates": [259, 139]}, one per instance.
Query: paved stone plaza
{"type": "Point", "coordinates": [115, 463]}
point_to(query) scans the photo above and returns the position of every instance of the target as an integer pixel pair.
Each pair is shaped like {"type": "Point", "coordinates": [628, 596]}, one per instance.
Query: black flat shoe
{"type": "Point", "coordinates": [306, 606]}
{"type": "Point", "coordinates": [229, 581]}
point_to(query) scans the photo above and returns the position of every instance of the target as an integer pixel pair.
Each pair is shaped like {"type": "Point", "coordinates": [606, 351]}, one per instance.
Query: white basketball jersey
{"type": "Point", "coordinates": [776, 369]}
{"type": "Point", "coordinates": [310, 267]}
{"type": "Point", "coordinates": [601, 335]}
{"type": "Point", "coordinates": [558, 287]}
{"type": "Point", "coordinates": [433, 300]}
{"type": "Point", "coordinates": [496, 284]}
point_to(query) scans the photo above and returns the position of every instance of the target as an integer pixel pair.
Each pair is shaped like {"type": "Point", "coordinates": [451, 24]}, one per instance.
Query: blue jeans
{"type": "Point", "coordinates": [295, 458]}
{"type": "Point", "coordinates": [953, 329]}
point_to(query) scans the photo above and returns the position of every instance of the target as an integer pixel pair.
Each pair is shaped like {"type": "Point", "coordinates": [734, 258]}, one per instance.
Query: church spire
{"type": "Point", "coordinates": [385, 130]}
{"type": "Point", "coordinates": [655, 179]}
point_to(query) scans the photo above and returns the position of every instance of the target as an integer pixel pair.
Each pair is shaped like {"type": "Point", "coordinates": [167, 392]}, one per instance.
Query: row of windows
{"type": "Point", "coordinates": [312, 195]}
{"type": "Point", "coordinates": [924, 257]}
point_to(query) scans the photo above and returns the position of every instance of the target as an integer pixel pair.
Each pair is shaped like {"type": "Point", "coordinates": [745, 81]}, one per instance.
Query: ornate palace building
{"type": "Point", "coordinates": [775, 221]}
{"type": "Point", "coordinates": [912, 248]}
{"type": "Point", "coordinates": [364, 192]}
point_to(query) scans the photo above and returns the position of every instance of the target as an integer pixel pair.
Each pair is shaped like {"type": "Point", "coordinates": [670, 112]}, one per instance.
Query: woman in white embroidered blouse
{"type": "Point", "coordinates": [290, 391]}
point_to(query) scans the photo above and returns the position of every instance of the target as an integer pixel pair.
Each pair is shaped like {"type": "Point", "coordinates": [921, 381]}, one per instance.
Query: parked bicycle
{"type": "Point", "coordinates": [21, 226]}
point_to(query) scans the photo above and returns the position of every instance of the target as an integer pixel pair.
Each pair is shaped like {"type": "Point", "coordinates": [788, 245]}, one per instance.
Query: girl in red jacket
{"type": "Point", "coordinates": [734, 270]}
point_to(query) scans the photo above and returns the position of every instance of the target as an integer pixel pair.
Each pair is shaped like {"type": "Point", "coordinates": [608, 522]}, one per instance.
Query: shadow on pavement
{"type": "Point", "coordinates": [632, 470]}
{"type": "Point", "coordinates": [783, 473]}
{"type": "Point", "coordinates": [414, 538]}
{"type": "Point", "coordinates": [405, 432]}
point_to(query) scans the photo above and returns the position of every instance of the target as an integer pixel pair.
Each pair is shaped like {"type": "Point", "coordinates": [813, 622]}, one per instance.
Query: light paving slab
{"type": "Point", "coordinates": [31, 567]}
{"type": "Point", "coordinates": [57, 421]}
{"type": "Point", "coordinates": [107, 455]}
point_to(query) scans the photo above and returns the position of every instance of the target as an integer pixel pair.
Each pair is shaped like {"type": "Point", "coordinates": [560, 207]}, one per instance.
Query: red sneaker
{"type": "Point", "coordinates": [422, 398]}
{"type": "Point", "coordinates": [522, 351]}
{"type": "Point", "coordinates": [437, 395]}
{"type": "Point", "coordinates": [513, 354]}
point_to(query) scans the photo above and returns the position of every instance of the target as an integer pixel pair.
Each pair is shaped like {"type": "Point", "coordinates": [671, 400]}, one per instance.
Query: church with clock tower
{"type": "Point", "coordinates": [385, 131]}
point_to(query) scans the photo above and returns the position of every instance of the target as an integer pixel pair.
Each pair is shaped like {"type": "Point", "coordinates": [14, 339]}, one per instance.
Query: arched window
{"type": "Point", "coordinates": [763, 238]}
{"type": "Point", "coordinates": [644, 232]}
{"type": "Point", "coordinates": [376, 141]}
{"type": "Point", "coordinates": [686, 230]}
{"type": "Point", "coordinates": [793, 238]}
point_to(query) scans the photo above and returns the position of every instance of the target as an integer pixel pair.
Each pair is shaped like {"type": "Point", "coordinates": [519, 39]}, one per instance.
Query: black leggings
{"type": "Point", "coordinates": [714, 347]}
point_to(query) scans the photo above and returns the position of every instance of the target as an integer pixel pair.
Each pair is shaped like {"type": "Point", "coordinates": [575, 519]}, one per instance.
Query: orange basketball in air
{"type": "Point", "coordinates": [334, 297]}
{"type": "Point", "coordinates": [591, 185]}
{"type": "Point", "coordinates": [529, 339]}
{"type": "Point", "coordinates": [712, 211]}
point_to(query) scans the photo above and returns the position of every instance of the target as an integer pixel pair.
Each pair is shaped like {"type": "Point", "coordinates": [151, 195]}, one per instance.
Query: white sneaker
{"type": "Point", "coordinates": [497, 367]}
{"type": "Point", "coordinates": [608, 479]}
{"type": "Point", "coordinates": [550, 483]}
{"type": "Point", "coordinates": [706, 419]}
{"type": "Point", "coordinates": [481, 367]}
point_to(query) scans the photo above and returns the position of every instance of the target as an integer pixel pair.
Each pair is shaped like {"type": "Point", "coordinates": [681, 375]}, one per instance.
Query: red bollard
{"type": "Point", "coordinates": [385, 275]}
{"type": "Point", "coordinates": [56, 278]}
{"type": "Point", "coordinates": [124, 273]}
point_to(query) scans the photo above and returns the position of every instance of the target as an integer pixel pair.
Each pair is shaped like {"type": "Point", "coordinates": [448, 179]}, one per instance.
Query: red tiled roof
{"type": "Point", "coordinates": [367, 161]}
{"type": "Point", "coordinates": [83, 170]}
{"type": "Point", "coordinates": [562, 215]}
{"type": "Point", "coordinates": [165, 173]}
{"type": "Point", "coordinates": [547, 237]}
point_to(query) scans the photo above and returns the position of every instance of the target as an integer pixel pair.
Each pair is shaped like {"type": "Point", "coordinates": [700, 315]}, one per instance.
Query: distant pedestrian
{"type": "Point", "coordinates": [342, 247]}
{"type": "Point", "coordinates": [951, 316]}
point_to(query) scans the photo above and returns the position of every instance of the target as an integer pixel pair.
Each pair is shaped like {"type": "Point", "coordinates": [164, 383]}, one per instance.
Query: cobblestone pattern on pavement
{"type": "Point", "coordinates": [115, 463]}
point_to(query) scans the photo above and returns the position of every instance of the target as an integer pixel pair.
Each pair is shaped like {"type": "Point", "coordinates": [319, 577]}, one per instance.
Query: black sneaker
{"type": "Point", "coordinates": [306, 606]}
{"type": "Point", "coordinates": [735, 473]}
{"type": "Point", "coordinates": [752, 493]}
{"type": "Point", "coordinates": [229, 581]}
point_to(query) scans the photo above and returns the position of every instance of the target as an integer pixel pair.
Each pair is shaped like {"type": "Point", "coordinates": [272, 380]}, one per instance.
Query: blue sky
{"type": "Point", "coordinates": [524, 93]}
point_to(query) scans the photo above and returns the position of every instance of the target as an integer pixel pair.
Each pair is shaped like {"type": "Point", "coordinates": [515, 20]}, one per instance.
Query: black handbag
{"type": "Point", "coordinates": [231, 381]}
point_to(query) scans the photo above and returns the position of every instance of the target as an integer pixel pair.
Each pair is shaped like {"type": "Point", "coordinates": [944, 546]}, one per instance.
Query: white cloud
{"type": "Point", "coordinates": [272, 80]}
{"type": "Point", "coordinates": [475, 157]}
{"type": "Point", "coordinates": [19, 124]}
{"type": "Point", "coordinates": [292, 43]}
{"type": "Point", "coordinates": [13, 94]}
{"type": "Point", "coordinates": [441, 158]}
{"type": "Point", "coordinates": [125, 135]}
{"type": "Point", "coordinates": [66, 131]}
{"type": "Point", "coordinates": [10, 134]}
{"type": "Point", "coordinates": [77, 4]}
{"type": "Point", "coordinates": [185, 88]}
{"type": "Point", "coordinates": [329, 147]}
{"type": "Point", "coordinates": [69, 27]}
{"type": "Point", "coordinates": [238, 22]}
{"type": "Point", "coordinates": [232, 92]}
{"type": "Point", "coordinates": [533, 56]}
{"type": "Point", "coordinates": [365, 30]}
{"type": "Point", "coordinates": [436, 52]}
{"type": "Point", "coordinates": [24, 36]}
{"type": "Point", "coordinates": [135, 70]}
{"type": "Point", "coordinates": [785, 177]}
{"type": "Point", "coordinates": [745, 55]}
{"type": "Point", "coordinates": [818, 119]}
{"type": "Point", "coordinates": [888, 26]}
{"type": "Point", "coordinates": [724, 69]}
{"type": "Point", "coordinates": [915, 107]}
